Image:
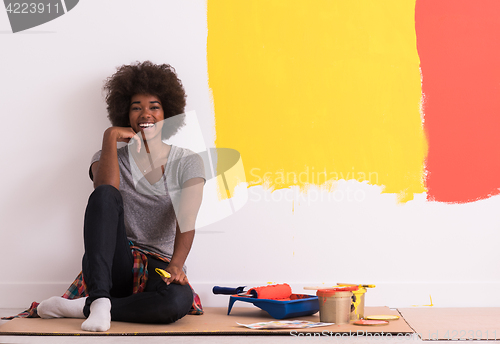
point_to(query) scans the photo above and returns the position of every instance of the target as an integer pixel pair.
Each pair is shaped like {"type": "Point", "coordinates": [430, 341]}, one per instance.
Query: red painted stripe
{"type": "Point", "coordinates": [458, 43]}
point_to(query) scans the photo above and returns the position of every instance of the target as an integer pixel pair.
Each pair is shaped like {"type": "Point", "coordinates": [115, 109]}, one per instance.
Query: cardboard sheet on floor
{"type": "Point", "coordinates": [215, 321]}
{"type": "Point", "coordinates": [454, 323]}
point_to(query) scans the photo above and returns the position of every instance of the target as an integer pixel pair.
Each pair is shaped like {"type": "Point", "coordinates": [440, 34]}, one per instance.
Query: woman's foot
{"type": "Point", "coordinates": [99, 319]}
{"type": "Point", "coordinates": [58, 307]}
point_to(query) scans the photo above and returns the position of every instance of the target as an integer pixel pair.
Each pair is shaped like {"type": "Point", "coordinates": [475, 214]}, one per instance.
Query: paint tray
{"type": "Point", "coordinates": [298, 305]}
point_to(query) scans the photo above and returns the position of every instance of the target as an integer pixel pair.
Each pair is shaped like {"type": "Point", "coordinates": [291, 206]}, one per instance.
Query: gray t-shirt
{"type": "Point", "coordinates": [149, 210]}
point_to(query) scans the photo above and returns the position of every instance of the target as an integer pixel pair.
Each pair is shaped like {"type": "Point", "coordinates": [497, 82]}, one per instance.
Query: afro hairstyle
{"type": "Point", "coordinates": [160, 81]}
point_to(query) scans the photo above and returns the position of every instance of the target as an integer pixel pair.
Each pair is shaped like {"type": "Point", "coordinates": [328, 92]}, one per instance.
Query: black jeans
{"type": "Point", "coordinates": [107, 267]}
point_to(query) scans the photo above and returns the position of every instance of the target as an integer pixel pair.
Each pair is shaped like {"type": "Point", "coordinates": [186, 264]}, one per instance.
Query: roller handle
{"type": "Point", "coordinates": [227, 290]}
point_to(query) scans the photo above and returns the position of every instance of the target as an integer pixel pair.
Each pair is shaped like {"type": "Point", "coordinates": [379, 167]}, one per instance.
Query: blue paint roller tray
{"type": "Point", "coordinates": [298, 305]}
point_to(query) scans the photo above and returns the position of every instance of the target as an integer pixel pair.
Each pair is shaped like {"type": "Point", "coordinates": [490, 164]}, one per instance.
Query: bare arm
{"type": "Point", "coordinates": [106, 170]}
{"type": "Point", "coordinates": [191, 196]}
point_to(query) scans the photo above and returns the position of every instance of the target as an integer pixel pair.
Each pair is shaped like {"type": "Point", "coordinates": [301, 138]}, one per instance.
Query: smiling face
{"type": "Point", "coordinates": [146, 115]}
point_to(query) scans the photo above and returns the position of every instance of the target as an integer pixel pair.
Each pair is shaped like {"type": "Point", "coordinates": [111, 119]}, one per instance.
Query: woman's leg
{"type": "Point", "coordinates": [107, 262]}
{"type": "Point", "coordinates": [158, 304]}
{"type": "Point", "coordinates": [107, 270]}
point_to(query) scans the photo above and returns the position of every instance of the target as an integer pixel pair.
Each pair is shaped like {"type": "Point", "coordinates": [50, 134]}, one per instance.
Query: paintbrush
{"type": "Point", "coordinates": [336, 288]}
{"type": "Point", "coordinates": [359, 285]}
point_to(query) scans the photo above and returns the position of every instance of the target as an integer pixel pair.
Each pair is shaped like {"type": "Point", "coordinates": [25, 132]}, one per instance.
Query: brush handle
{"type": "Point", "coordinates": [227, 290]}
{"type": "Point", "coordinates": [318, 288]}
{"type": "Point", "coordinates": [359, 285]}
{"type": "Point", "coordinates": [336, 288]}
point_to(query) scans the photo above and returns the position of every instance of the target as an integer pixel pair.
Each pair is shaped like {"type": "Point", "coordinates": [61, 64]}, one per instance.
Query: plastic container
{"type": "Point", "coordinates": [298, 305]}
{"type": "Point", "coordinates": [335, 305]}
{"type": "Point", "coordinates": [358, 301]}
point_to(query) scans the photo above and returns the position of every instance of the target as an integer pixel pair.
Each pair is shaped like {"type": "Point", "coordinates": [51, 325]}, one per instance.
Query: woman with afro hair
{"type": "Point", "coordinates": [141, 215]}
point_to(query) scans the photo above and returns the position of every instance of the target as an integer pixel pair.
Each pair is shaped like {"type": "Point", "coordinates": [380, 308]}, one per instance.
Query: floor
{"type": "Point", "coordinates": [190, 339]}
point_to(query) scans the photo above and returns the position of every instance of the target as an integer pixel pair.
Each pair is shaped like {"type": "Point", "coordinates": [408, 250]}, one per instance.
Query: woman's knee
{"type": "Point", "coordinates": [104, 213]}
{"type": "Point", "coordinates": [178, 300]}
{"type": "Point", "coordinates": [105, 194]}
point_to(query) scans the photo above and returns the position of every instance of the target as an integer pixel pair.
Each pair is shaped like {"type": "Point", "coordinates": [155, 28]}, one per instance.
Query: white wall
{"type": "Point", "coordinates": [53, 115]}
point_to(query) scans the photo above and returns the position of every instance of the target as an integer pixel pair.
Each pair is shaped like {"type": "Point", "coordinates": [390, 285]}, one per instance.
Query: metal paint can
{"type": "Point", "coordinates": [334, 306]}
{"type": "Point", "coordinates": [358, 303]}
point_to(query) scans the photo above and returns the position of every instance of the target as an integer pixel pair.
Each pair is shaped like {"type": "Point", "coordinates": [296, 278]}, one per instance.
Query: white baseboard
{"type": "Point", "coordinates": [394, 295]}
{"type": "Point", "coordinates": [20, 295]}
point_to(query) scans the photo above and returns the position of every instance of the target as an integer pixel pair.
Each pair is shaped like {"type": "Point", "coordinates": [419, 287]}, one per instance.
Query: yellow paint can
{"type": "Point", "coordinates": [358, 302]}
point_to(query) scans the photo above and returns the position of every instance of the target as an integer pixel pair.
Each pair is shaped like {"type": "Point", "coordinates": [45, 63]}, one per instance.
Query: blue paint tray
{"type": "Point", "coordinates": [298, 305]}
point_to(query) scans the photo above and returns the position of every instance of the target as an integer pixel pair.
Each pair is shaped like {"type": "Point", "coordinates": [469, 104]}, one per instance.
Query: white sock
{"type": "Point", "coordinates": [99, 319]}
{"type": "Point", "coordinates": [58, 307]}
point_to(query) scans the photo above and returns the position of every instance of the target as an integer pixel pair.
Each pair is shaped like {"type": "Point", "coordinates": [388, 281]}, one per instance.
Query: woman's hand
{"type": "Point", "coordinates": [106, 170]}
{"type": "Point", "coordinates": [122, 134]}
{"type": "Point", "coordinates": [177, 275]}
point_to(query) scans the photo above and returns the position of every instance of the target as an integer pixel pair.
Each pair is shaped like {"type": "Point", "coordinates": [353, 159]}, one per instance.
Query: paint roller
{"type": "Point", "coordinates": [270, 292]}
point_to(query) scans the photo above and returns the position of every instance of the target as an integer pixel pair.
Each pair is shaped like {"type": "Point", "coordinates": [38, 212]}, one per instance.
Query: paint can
{"type": "Point", "coordinates": [358, 304]}
{"type": "Point", "coordinates": [334, 306]}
